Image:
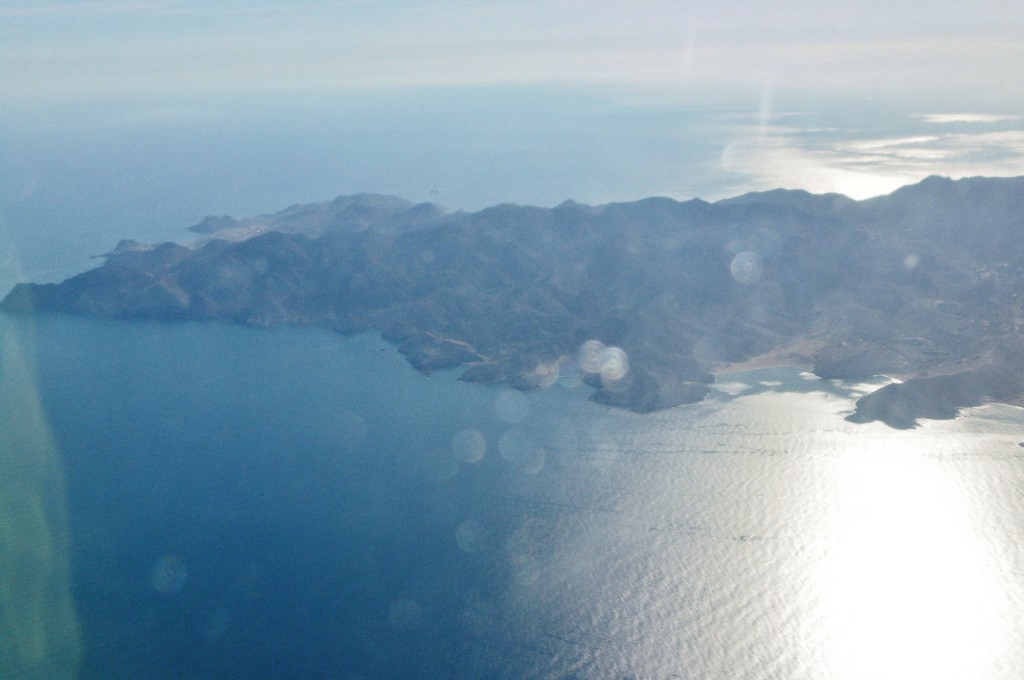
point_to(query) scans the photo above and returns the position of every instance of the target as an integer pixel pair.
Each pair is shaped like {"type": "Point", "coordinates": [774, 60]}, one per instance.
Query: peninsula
{"type": "Point", "coordinates": [641, 300]}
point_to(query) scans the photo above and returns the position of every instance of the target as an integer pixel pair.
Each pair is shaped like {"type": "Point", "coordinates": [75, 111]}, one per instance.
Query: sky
{"type": "Point", "coordinates": [136, 118]}
{"type": "Point", "coordinates": [58, 51]}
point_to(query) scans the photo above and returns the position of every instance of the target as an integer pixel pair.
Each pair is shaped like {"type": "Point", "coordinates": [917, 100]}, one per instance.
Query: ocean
{"type": "Point", "coordinates": [212, 501]}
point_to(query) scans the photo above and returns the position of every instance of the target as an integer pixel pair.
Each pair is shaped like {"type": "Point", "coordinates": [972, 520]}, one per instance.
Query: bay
{"type": "Point", "coordinates": [243, 503]}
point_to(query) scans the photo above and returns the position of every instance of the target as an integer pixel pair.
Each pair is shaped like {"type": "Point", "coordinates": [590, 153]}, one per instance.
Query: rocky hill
{"type": "Point", "coordinates": [641, 300]}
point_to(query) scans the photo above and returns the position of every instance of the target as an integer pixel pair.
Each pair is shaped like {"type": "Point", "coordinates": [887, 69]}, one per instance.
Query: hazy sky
{"type": "Point", "coordinates": [942, 52]}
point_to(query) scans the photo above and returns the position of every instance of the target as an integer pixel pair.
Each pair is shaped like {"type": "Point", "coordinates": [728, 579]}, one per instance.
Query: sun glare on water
{"type": "Point", "coordinates": [910, 587]}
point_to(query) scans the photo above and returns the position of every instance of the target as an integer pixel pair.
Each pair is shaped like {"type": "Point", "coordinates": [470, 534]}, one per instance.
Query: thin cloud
{"type": "Point", "coordinates": [862, 168]}
{"type": "Point", "coordinates": [946, 118]}
{"type": "Point", "coordinates": [889, 143]}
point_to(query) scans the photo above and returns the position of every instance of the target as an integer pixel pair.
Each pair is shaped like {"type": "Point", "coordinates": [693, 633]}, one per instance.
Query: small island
{"type": "Point", "coordinates": [643, 301]}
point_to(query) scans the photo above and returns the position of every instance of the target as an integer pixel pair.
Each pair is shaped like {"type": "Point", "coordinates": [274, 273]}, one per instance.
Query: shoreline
{"type": "Point", "coordinates": [797, 353]}
{"type": "Point", "coordinates": [758, 365]}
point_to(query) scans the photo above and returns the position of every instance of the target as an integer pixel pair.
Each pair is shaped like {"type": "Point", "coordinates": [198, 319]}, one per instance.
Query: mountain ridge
{"type": "Point", "coordinates": [923, 283]}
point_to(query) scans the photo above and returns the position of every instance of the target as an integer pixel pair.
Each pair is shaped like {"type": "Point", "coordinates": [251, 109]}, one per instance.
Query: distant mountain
{"type": "Point", "coordinates": [641, 300]}
{"type": "Point", "coordinates": [345, 213]}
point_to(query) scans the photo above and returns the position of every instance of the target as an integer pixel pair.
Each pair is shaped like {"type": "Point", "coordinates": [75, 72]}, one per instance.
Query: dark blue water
{"type": "Point", "coordinates": [302, 483]}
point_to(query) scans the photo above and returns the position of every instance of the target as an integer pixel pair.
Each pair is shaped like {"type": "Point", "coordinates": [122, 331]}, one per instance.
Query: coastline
{"type": "Point", "coordinates": [797, 353]}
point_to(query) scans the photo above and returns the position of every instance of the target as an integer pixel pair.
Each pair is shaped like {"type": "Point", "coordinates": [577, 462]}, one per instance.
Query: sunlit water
{"type": "Point", "coordinates": [292, 503]}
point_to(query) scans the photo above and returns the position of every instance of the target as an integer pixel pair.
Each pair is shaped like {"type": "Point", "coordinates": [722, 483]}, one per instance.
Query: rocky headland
{"type": "Point", "coordinates": [641, 300]}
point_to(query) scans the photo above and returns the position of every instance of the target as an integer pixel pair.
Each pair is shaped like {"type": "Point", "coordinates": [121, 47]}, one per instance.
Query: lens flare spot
{"type": "Point", "coordinates": [470, 536]}
{"type": "Point", "coordinates": [745, 268]}
{"type": "Point", "coordinates": [589, 356]}
{"type": "Point", "coordinates": [469, 446]}
{"type": "Point", "coordinates": [169, 574]}
{"type": "Point", "coordinates": [534, 461]}
{"type": "Point", "coordinates": [613, 364]}
{"type": "Point", "coordinates": [545, 374]}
